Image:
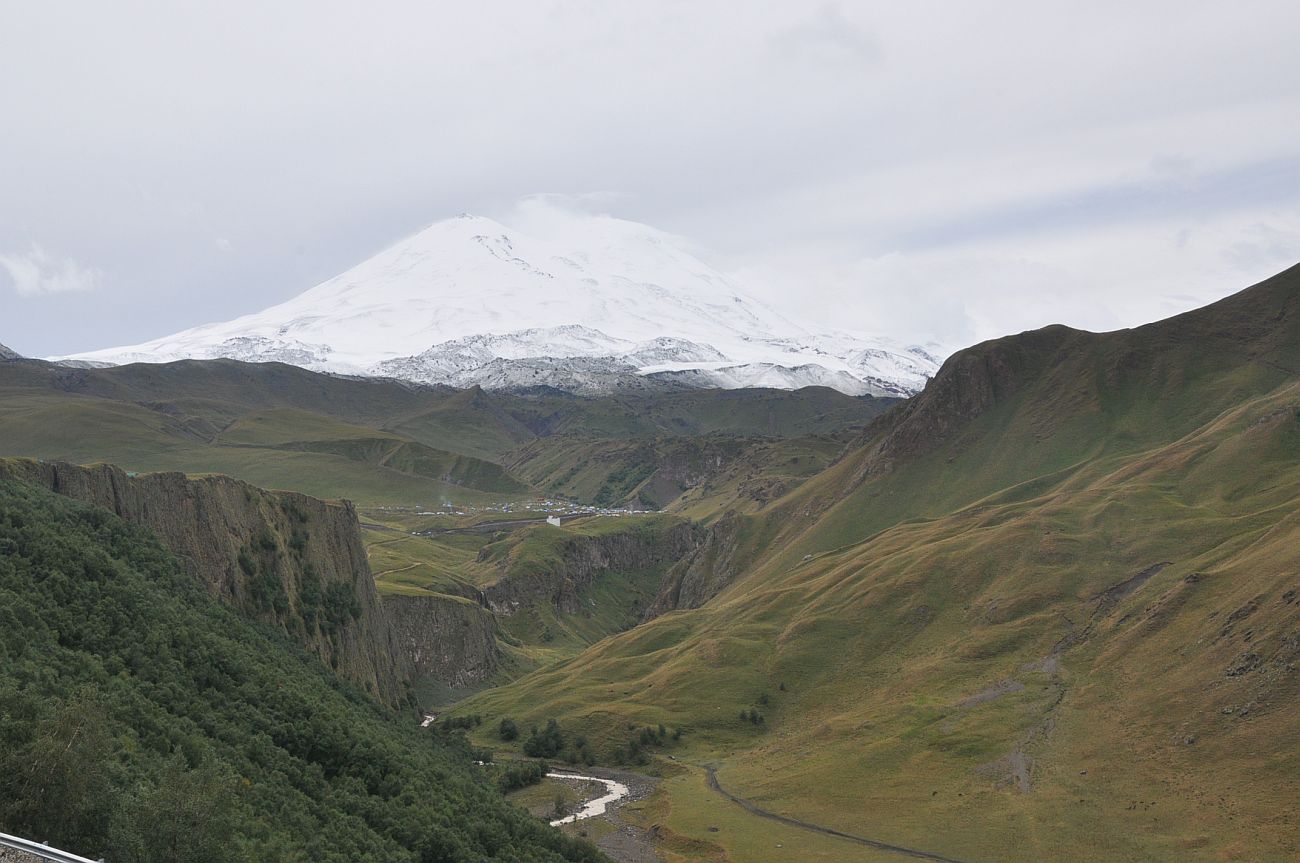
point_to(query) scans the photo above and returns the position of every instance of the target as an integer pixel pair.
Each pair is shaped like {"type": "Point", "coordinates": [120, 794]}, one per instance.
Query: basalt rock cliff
{"type": "Point", "coordinates": [289, 560]}
{"type": "Point", "coordinates": [703, 572]}
{"type": "Point", "coordinates": [448, 638]}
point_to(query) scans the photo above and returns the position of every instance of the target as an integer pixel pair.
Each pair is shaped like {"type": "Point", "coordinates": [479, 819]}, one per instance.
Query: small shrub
{"type": "Point", "coordinates": [518, 776]}
{"type": "Point", "coordinates": [507, 730]}
{"type": "Point", "coordinates": [545, 744]}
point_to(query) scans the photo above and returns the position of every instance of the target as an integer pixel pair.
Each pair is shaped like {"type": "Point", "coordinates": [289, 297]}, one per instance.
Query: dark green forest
{"type": "Point", "coordinates": [142, 721]}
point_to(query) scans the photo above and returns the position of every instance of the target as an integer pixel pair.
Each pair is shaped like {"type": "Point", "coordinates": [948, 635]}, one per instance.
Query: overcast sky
{"type": "Point", "coordinates": [952, 170]}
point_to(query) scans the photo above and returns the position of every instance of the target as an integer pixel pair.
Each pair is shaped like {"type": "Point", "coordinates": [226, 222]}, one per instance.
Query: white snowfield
{"type": "Point", "coordinates": [469, 301]}
{"type": "Point", "coordinates": [615, 791]}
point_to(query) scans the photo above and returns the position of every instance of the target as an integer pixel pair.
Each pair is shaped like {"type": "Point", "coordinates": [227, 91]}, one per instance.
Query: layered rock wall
{"type": "Point", "coordinates": [287, 559]}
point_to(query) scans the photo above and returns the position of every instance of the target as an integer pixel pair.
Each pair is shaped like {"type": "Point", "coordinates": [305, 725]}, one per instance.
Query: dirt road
{"type": "Point", "coordinates": [839, 834]}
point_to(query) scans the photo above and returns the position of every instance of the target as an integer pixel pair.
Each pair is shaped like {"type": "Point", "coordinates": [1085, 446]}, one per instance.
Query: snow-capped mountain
{"type": "Point", "coordinates": [470, 301]}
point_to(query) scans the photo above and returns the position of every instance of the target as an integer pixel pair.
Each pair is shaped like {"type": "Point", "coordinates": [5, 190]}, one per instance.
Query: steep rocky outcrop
{"type": "Point", "coordinates": [1061, 372]}
{"type": "Point", "coordinates": [969, 383]}
{"type": "Point", "coordinates": [573, 561]}
{"type": "Point", "coordinates": [290, 560]}
{"type": "Point", "coordinates": [7, 354]}
{"type": "Point", "coordinates": [448, 638]}
{"type": "Point", "coordinates": [700, 576]}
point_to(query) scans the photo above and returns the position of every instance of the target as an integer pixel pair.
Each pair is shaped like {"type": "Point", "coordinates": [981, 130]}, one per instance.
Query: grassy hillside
{"type": "Point", "coordinates": [382, 441]}
{"type": "Point", "coordinates": [279, 448]}
{"type": "Point", "coordinates": [750, 412]}
{"type": "Point", "coordinates": [142, 721]}
{"type": "Point", "coordinates": [705, 475]}
{"type": "Point", "coordinates": [1047, 609]}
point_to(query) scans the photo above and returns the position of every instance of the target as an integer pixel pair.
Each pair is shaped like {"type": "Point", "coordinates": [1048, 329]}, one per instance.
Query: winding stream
{"type": "Point", "coordinates": [615, 791]}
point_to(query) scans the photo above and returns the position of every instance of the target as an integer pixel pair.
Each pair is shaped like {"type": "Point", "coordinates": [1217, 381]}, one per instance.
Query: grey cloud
{"type": "Point", "coordinates": [1021, 162]}
{"type": "Point", "coordinates": [34, 273]}
{"type": "Point", "coordinates": [828, 36]}
{"type": "Point", "coordinates": [1264, 245]}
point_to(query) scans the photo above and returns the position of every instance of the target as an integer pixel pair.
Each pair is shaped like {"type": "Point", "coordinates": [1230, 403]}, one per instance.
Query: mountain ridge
{"type": "Point", "coordinates": [1261, 324]}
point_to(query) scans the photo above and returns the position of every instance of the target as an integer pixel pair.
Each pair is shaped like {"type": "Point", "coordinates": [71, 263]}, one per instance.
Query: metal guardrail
{"type": "Point", "coordinates": [45, 852]}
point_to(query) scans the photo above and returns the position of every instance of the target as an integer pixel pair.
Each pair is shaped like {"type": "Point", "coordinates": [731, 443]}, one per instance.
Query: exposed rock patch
{"type": "Point", "coordinates": [449, 638]}
{"type": "Point", "coordinates": [1013, 770]}
{"type": "Point", "coordinates": [290, 560]}
{"type": "Point", "coordinates": [702, 575]}
{"type": "Point", "coordinates": [991, 693]}
{"type": "Point", "coordinates": [1114, 595]}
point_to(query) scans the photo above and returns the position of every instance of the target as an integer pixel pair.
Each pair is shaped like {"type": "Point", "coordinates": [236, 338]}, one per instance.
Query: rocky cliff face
{"type": "Point", "coordinates": [576, 561]}
{"type": "Point", "coordinates": [293, 561]}
{"type": "Point", "coordinates": [449, 638]}
{"type": "Point", "coordinates": [701, 575]}
{"type": "Point", "coordinates": [7, 354]}
{"type": "Point", "coordinates": [969, 383]}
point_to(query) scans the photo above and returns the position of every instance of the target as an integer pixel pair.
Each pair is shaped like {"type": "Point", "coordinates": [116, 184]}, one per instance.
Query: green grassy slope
{"type": "Point", "coordinates": [276, 448]}
{"type": "Point", "coordinates": [705, 475]}
{"type": "Point", "coordinates": [1047, 609]}
{"type": "Point", "coordinates": [420, 564]}
{"type": "Point", "coordinates": [377, 441]}
{"type": "Point", "coordinates": [141, 720]}
{"type": "Point", "coordinates": [750, 412]}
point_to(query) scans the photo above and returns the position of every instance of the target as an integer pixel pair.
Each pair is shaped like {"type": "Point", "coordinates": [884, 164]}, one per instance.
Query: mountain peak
{"type": "Point", "coordinates": [469, 300]}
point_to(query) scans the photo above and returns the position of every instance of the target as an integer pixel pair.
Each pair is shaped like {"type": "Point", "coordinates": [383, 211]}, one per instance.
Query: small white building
{"type": "Point", "coordinates": [553, 520]}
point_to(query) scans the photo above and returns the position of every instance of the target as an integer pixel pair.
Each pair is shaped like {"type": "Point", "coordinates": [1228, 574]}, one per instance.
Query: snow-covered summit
{"type": "Point", "coordinates": [469, 300]}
